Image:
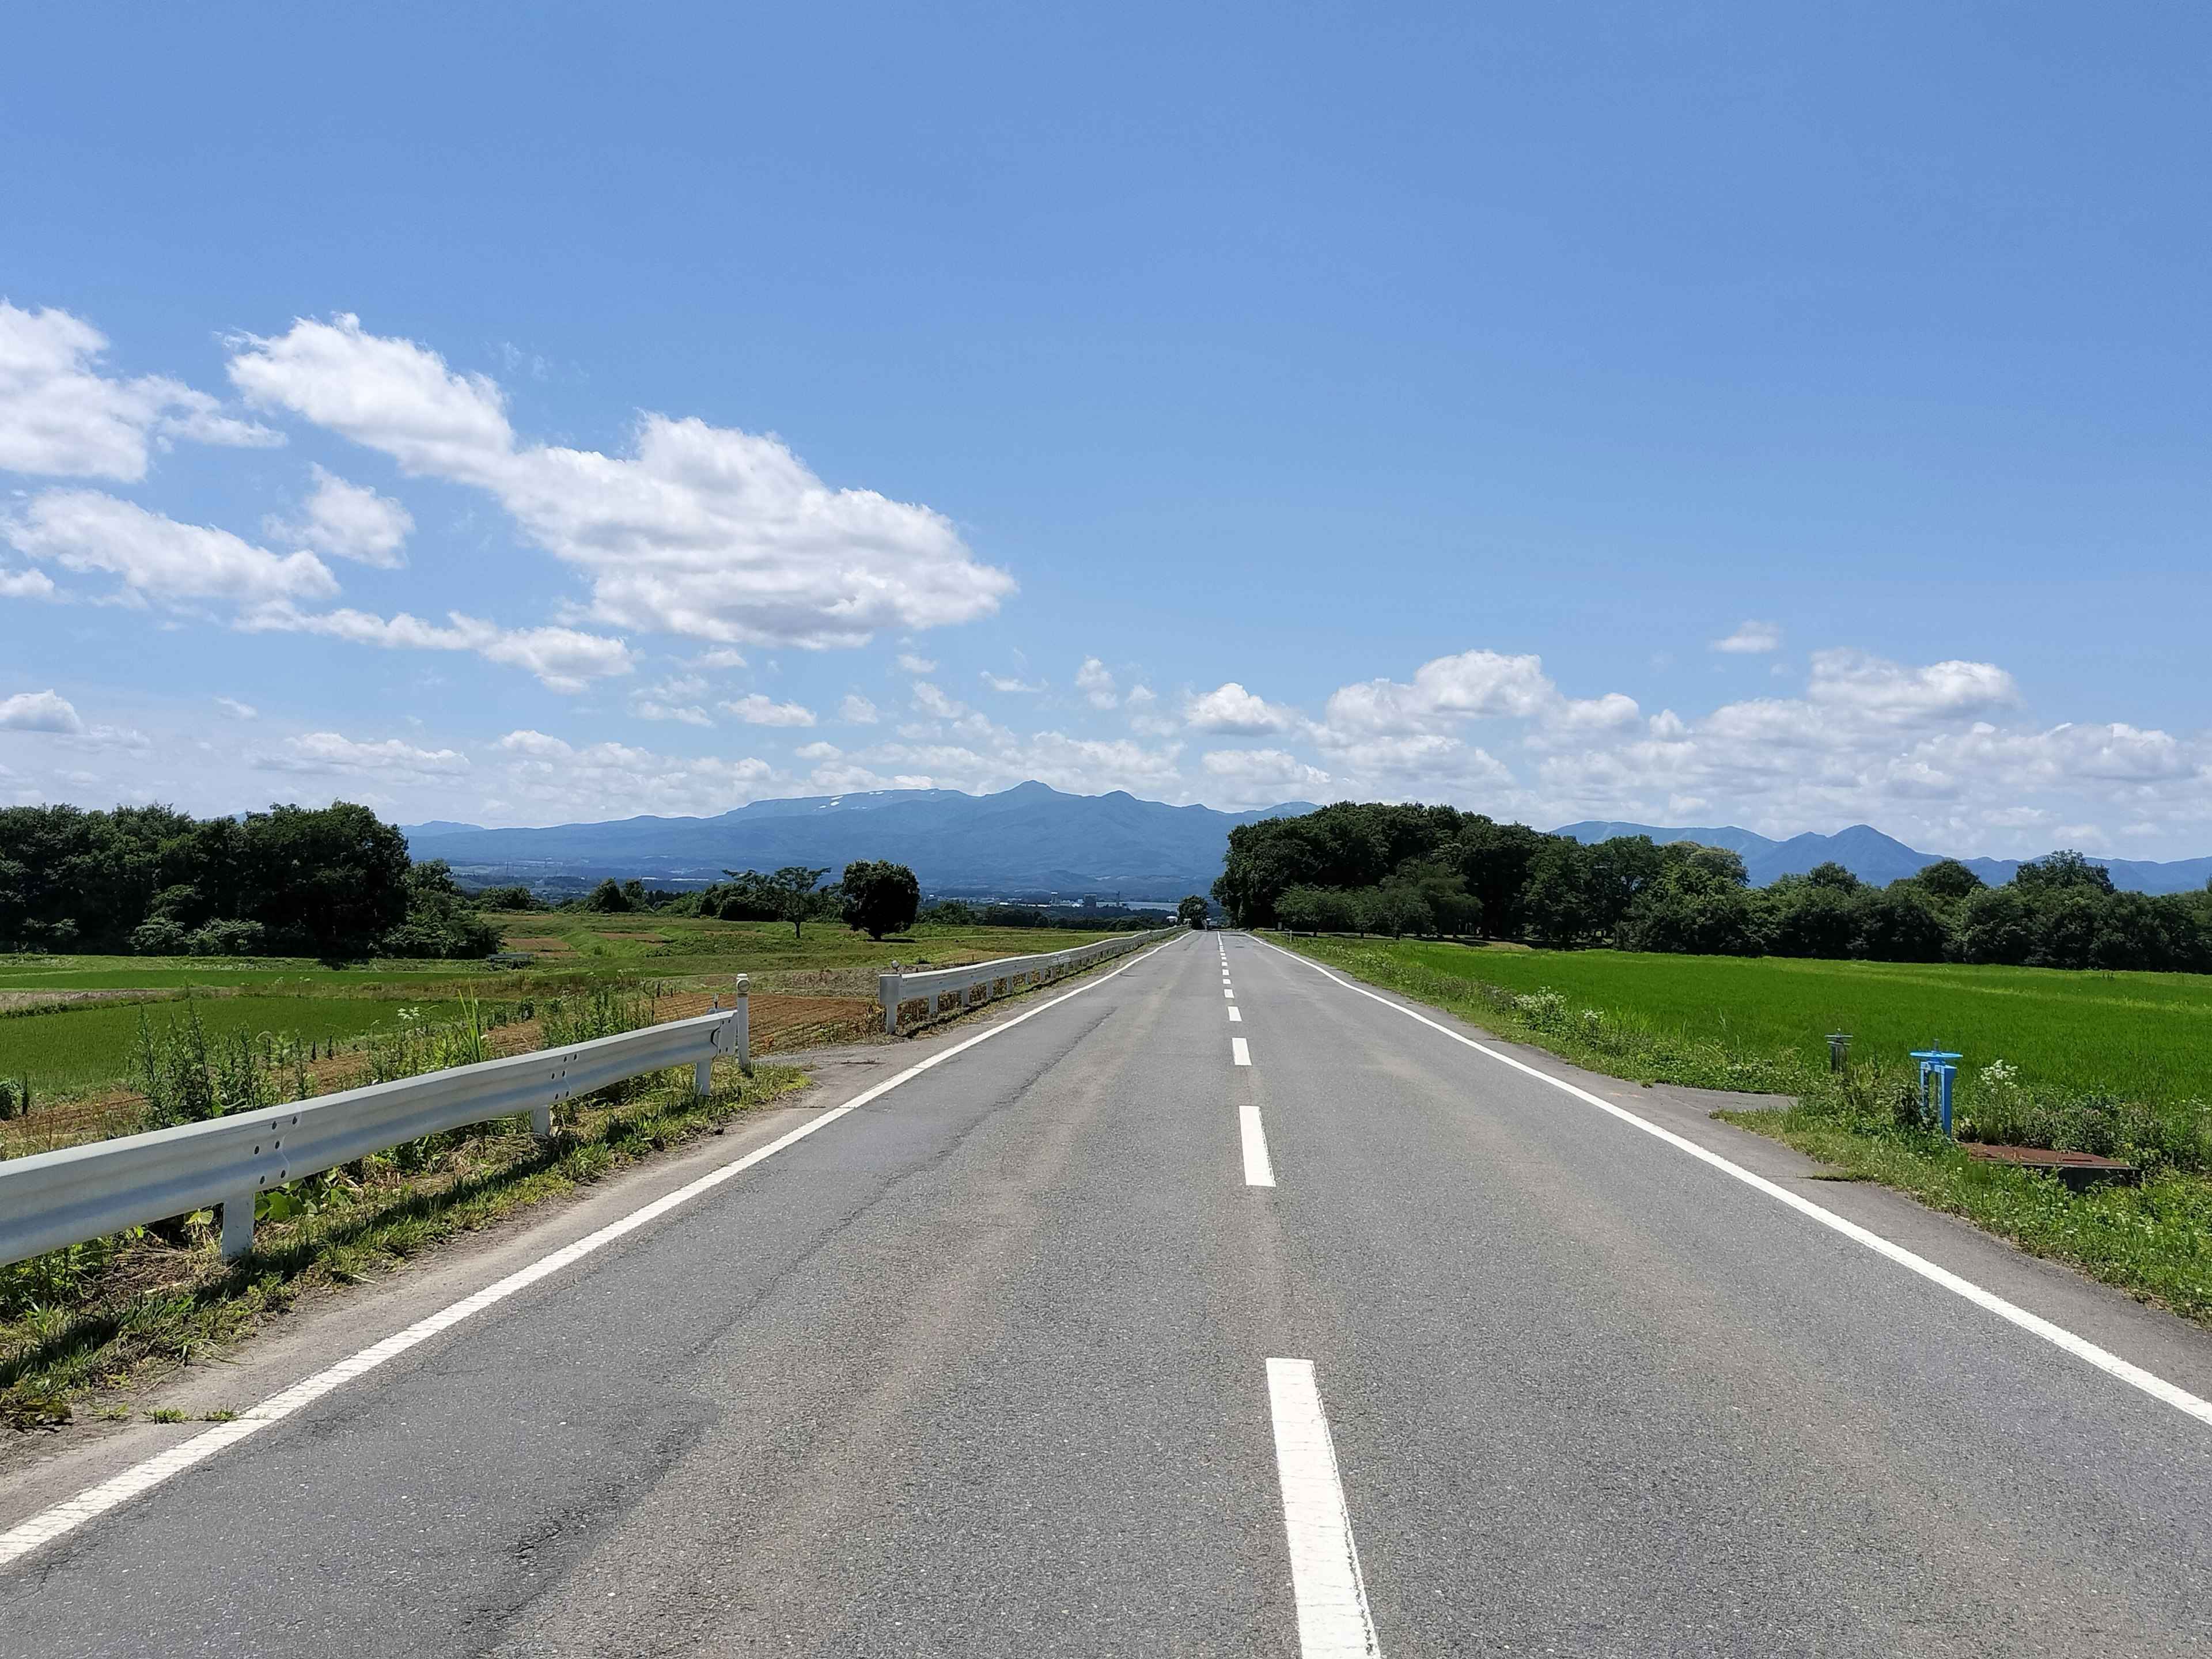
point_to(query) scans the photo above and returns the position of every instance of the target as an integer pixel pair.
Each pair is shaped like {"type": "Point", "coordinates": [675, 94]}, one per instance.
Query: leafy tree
{"type": "Point", "coordinates": [1901, 923]}
{"type": "Point", "coordinates": [785, 895]}
{"type": "Point", "coordinates": [440, 922]}
{"type": "Point", "coordinates": [2061, 870]}
{"type": "Point", "coordinates": [608, 899]}
{"type": "Point", "coordinates": [880, 898]}
{"type": "Point", "coordinates": [1192, 912]}
{"type": "Point", "coordinates": [1947, 880]}
{"type": "Point", "coordinates": [517, 897]}
{"type": "Point", "coordinates": [1396, 911]}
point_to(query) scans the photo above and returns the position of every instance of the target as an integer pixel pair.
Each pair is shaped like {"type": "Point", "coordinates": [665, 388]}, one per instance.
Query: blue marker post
{"type": "Point", "coordinates": [1936, 1067]}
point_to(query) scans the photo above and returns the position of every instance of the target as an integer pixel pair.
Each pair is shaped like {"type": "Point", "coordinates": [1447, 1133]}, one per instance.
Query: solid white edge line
{"type": "Point", "coordinates": [1334, 1621]}
{"type": "Point", "coordinates": [66, 1517]}
{"type": "Point", "coordinates": [1258, 1171]}
{"type": "Point", "coordinates": [1240, 1051]}
{"type": "Point", "coordinates": [2058, 1335]}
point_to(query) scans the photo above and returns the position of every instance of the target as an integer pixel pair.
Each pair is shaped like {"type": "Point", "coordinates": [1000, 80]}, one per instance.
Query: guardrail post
{"type": "Point", "coordinates": [744, 1043]}
{"type": "Point", "coordinates": [541, 1123]}
{"type": "Point", "coordinates": [237, 1226]}
{"type": "Point", "coordinates": [887, 993]}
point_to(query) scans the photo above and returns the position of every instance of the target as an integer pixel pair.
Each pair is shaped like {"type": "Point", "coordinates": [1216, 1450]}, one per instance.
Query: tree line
{"type": "Point", "coordinates": [332, 881]}
{"type": "Point", "coordinates": [1434, 870]}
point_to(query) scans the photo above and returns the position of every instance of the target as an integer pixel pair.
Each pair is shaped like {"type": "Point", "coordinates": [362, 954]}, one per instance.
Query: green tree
{"type": "Point", "coordinates": [1193, 911]}
{"type": "Point", "coordinates": [608, 899]}
{"type": "Point", "coordinates": [784, 895]}
{"type": "Point", "coordinates": [880, 898]}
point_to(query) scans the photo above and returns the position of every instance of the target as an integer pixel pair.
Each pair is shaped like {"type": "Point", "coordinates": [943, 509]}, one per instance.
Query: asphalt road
{"type": "Point", "coordinates": [983, 1368]}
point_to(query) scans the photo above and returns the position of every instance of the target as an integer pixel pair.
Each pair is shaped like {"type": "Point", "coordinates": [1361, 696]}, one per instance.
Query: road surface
{"type": "Point", "coordinates": [1218, 1308]}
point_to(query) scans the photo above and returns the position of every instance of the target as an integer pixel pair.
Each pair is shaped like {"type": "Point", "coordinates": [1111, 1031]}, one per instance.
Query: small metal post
{"type": "Point", "coordinates": [702, 1077]}
{"type": "Point", "coordinates": [237, 1226]}
{"type": "Point", "coordinates": [541, 1123]}
{"type": "Point", "coordinates": [744, 1041]}
{"type": "Point", "coordinates": [1839, 1050]}
{"type": "Point", "coordinates": [1936, 1074]}
{"type": "Point", "coordinates": [887, 993]}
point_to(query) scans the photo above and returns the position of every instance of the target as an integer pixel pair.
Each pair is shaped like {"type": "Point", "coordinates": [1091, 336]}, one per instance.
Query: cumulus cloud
{"type": "Point", "coordinates": [1231, 711]}
{"type": "Point", "coordinates": [701, 531]}
{"type": "Point", "coordinates": [540, 777]}
{"type": "Point", "coordinates": [389, 759]}
{"type": "Point", "coordinates": [60, 416]}
{"type": "Point", "coordinates": [1259, 777]}
{"type": "Point", "coordinates": [1751, 639]}
{"type": "Point", "coordinates": [39, 711]}
{"type": "Point", "coordinates": [26, 585]}
{"type": "Point", "coordinates": [564, 659]}
{"type": "Point", "coordinates": [154, 556]}
{"type": "Point", "coordinates": [1002, 682]}
{"type": "Point", "coordinates": [1145, 716]}
{"type": "Point", "coordinates": [759, 709]}
{"type": "Point", "coordinates": [1096, 683]}
{"type": "Point", "coordinates": [1474, 685]}
{"type": "Point", "coordinates": [351, 521]}
{"type": "Point", "coordinates": [857, 710]}
{"type": "Point", "coordinates": [907, 663]}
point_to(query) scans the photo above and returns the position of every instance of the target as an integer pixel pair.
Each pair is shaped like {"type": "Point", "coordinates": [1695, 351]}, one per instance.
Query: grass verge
{"type": "Point", "coordinates": [124, 1311]}
{"type": "Point", "coordinates": [2153, 1241]}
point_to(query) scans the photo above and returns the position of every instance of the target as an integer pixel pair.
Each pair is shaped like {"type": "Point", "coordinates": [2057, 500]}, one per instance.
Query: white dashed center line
{"type": "Point", "coordinates": [1334, 1622]}
{"type": "Point", "coordinates": [1258, 1172]}
{"type": "Point", "coordinates": [1240, 1051]}
{"type": "Point", "coordinates": [1236, 1015]}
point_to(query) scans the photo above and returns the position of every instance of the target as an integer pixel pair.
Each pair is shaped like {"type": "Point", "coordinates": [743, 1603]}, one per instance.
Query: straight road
{"type": "Point", "coordinates": [1219, 1308]}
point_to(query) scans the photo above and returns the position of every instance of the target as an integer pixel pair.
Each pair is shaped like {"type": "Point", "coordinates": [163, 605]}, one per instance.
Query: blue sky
{"type": "Point", "coordinates": [1229, 405]}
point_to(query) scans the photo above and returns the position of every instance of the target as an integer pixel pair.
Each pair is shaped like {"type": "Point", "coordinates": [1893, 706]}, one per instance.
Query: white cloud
{"type": "Point", "coordinates": [39, 711]}
{"type": "Point", "coordinates": [562, 657]}
{"type": "Point", "coordinates": [1259, 777]}
{"type": "Point", "coordinates": [647, 708]}
{"type": "Point", "coordinates": [701, 531]}
{"type": "Point", "coordinates": [553, 779]}
{"type": "Point", "coordinates": [999, 683]}
{"type": "Point", "coordinates": [907, 663]}
{"type": "Point", "coordinates": [758, 709]}
{"type": "Point", "coordinates": [351, 521]}
{"type": "Point", "coordinates": [234, 709]}
{"type": "Point", "coordinates": [26, 585]}
{"type": "Point", "coordinates": [59, 415]}
{"type": "Point", "coordinates": [1146, 718]}
{"type": "Point", "coordinates": [1751, 639]}
{"type": "Point", "coordinates": [1096, 683]}
{"type": "Point", "coordinates": [155, 557]}
{"type": "Point", "coordinates": [1231, 711]}
{"type": "Point", "coordinates": [1894, 694]}
{"type": "Point", "coordinates": [857, 710]}
{"type": "Point", "coordinates": [389, 759]}
{"type": "Point", "coordinates": [1474, 685]}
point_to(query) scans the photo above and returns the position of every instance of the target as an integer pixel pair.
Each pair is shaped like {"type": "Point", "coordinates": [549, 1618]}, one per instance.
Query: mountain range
{"type": "Point", "coordinates": [1029, 841]}
{"type": "Point", "coordinates": [1873, 857]}
{"type": "Point", "coordinates": [1032, 841]}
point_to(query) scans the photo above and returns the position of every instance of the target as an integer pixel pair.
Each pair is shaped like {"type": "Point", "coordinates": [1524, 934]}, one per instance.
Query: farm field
{"type": "Point", "coordinates": [2145, 1035]}
{"type": "Point", "coordinates": [70, 1048]}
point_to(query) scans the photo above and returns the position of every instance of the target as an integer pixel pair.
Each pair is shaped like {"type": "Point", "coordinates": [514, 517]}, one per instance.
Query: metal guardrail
{"type": "Point", "coordinates": [50, 1199]}
{"type": "Point", "coordinates": [996, 978]}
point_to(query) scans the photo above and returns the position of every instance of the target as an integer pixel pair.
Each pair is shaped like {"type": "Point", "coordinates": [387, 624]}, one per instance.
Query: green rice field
{"type": "Point", "coordinates": [67, 1048]}
{"type": "Point", "coordinates": [2148, 1036]}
